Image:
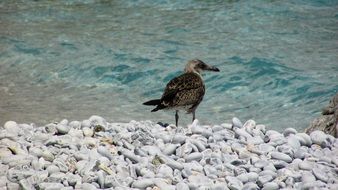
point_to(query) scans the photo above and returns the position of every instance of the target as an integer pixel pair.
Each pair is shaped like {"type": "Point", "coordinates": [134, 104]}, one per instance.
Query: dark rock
{"type": "Point", "coordinates": [328, 121]}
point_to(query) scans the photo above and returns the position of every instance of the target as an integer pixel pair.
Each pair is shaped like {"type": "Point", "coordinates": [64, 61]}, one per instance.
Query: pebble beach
{"type": "Point", "coordinates": [96, 154]}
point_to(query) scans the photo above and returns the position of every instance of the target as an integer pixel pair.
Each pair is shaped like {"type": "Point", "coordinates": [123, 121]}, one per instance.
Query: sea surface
{"type": "Point", "coordinates": [76, 58]}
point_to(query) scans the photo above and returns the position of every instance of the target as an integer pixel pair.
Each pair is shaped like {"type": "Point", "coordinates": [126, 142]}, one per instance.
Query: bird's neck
{"type": "Point", "coordinates": [194, 72]}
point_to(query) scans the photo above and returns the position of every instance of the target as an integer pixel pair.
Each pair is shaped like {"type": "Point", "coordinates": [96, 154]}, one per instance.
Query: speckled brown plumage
{"type": "Point", "coordinates": [184, 92]}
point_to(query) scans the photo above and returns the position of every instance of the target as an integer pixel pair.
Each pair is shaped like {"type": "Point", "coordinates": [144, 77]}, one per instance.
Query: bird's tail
{"type": "Point", "coordinates": [152, 102]}
{"type": "Point", "coordinates": [156, 102]}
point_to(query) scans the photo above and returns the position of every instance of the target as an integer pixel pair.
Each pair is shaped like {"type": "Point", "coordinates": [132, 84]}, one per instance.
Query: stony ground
{"type": "Point", "coordinates": [94, 154]}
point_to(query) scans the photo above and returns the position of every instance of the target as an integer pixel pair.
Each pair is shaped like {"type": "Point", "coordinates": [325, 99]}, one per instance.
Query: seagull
{"type": "Point", "coordinates": [184, 92]}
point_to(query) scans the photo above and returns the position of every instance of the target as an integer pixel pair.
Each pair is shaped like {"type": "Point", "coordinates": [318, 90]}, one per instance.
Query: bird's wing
{"type": "Point", "coordinates": [183, 90]}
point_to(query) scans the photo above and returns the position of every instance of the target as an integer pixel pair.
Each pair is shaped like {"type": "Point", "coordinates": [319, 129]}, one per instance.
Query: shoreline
{"type": "Point", "coordinates": [95, 154]}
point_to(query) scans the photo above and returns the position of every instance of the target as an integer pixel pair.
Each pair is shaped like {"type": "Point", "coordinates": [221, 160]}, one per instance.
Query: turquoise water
{"type": "Point", "coordinates": [73, 59]}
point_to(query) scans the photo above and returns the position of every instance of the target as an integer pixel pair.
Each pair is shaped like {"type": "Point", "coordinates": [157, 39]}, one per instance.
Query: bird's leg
{"type": "Point", "coordinates": [193, 116]}
{"type": "Point", "coordinates": [176, 118]}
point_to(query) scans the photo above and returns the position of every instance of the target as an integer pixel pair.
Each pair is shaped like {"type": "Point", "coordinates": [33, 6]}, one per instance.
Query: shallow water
{"type": "Point", "coordinates": [73, 59]}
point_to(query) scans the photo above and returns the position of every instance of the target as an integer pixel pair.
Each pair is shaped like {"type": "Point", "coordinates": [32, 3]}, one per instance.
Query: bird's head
{"type": "Point", "coordinates": [198, 66]}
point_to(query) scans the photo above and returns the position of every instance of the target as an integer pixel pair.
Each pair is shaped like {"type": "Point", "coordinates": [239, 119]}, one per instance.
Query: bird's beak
{"type": "Point", "coordinates": [212, 68]}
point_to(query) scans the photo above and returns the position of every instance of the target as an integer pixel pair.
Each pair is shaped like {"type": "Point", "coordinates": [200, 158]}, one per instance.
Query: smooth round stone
{"type": "Point", "coordinates": [87, 132]}
{"type": "Point", "coordinates": [210, 171]}
{"type": "Point", "coordinates": [268, 173]}
{"type": "Point", "coordinates": [219, 186]}
{"type": "Point", "coordinates": [165, 171]}
{"type": "Point", "coordinates": [266, 148]}
{"type": "Point", "coordinates": [275, 139]}
{"type": "Point", "coordinates": [170, 148]}
{"type": "Point", "coordinates": [97, 120]}
{"type": "Point", "coordinates": [179, 139]}
{"type": "Point", "coordinates": [246, 177]}
{"type": "Point", "coordinates": [88, 186]}
{"type": "Point", "coordinates": [3, 169]}
{"type": "Point", "coordinates": [85, 123]}
{"type": "Point", "coordinates": [236, 122]}
{"type": "Point", "coordinates": [241, 132]}
{"type": "Point", "coordinates": [12, 127]}
{"type": "Point", "coordinates": [75, 124]}
{"type": "Point", "coordinates": [105, 152]}
{"type": "Point", "coordinates": [270, 167]}
{"type": "Point", "coordinates": [314, 185]}
{"type": "Point", "coordinates": [35, 151]}
{"type": "Point", "coordinates": [234, 183]}
{"type": "Point", "coordinates": [255, 140]}
{"type": "Point", "coordinates": [255, 170]}
{"type": "Point", "coordinates": [3, 181]}
{"type": "Point", "coordinates": [50, 186]}
{"type": "Point", "coordinates": [293, 142]}
{"type": "Point", "coordinates": [301, 153]}
{"type": "Point", "coordinates": [272, 132]}
{"type": "Point", "coordinates": [281, 156]}
{"type": "Point", "coordinates": [216, 128]}
{"type": "Point", "coordinates": [13, 186]}
{"type": "Point", "coordinates": [76, 133]}
{"type": "Point", "coordinates": [261, 127]}
{"type": "Point", "coordinates": [261, 163]}
{"type": "Point", "coordinates": [249, 125]}
{"type": "Point", "coordinates": [319, 138]}
{"type": "Point", "coordinates": [194, 156]}
{"type": "Point", "coordinates": [251, 186]}
{"type": "Point", "coordinates": [62, 129]}
{"type": "Point", "coordinates": [185, 149]}
{"type": "Point", "coordinates": [227, 125]}
{"type": "Point", "coordinates": [163, 184]}
{"type": "Point", "coordinates": [279, 164]}
{"type": "Point", "coordinates": [304, 139]}
{"type": "Point", "coordinates": [286, 149]}
{"type": "Point", "coordinates": [199, 144]}
{"type": "Point", "coordinates": [306, 165]}
{"type": "Point", "coordinates": [172, 163]}
{"type": "Point", "coordinates": [143, 183]}
{"type": "Point", "coordinates": [47, 155]}
{"type": "Point", "coordinates": [289, 131]}
{"type": "Point", "coordinates": [270, 186]}
{"type": "Point", "coordinates": [320, 174]}
{"type": "Point", "coordinates": [52, 169]}
{"type": "Point", "coordinates": [264, 179]}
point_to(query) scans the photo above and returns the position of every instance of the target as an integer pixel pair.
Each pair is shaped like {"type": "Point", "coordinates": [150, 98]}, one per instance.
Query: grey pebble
{"type": "Point", "coordinates": [270, 186]}
{"type": "Point", "coordinates": [193, 156]}
{"type": "Point", "coordinates": [304, 139]}
{"type": "Point", "coordinates": [307, 176]}
{"type": "Point", "coordinates": [320, 174]}
{"type": "Point", "coordinates": [251, 186]}
{"type": "Point", "coordinates": [247, 177]}
{"type": "Point", "coordinates": [236, 122]}
{"type": "Point", "coordinates": [50, 186]}
{"type": "Point", "coordinates": [234, 183]}
{"type": "Point", "coordinates": [62, 128]}
{"type": "Point", "coordinates": [306, 165]}
{"type": "Point", "coordinates": [264, 179]}
{"type": "Point", "coordinates": [171, 162]}
{"type": "Point", "coordinates": [88, 186]}
{"type": "Point", "coordinates": [289, 131]}
{"type": "Point", "coordinates": [182, 186]}
{"type": "Point", "coordinates": [170, 148]}
{"type": "Point", "coordinates": [319, 138]}
{"type": "Point", "coordinates": [52, 169]}
{"type": "Point", "coordinates": [281, 156]}
{"type": "Point", "coordinates": [219, 186]}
